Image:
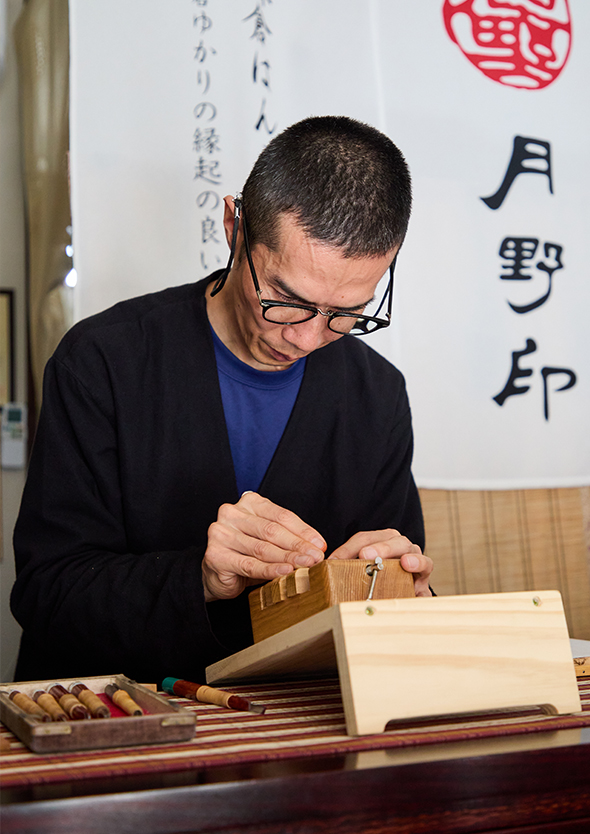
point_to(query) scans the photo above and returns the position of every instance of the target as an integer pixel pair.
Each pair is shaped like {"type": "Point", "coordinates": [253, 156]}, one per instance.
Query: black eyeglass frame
{"type": "Point", "coordinates": [362, 322]}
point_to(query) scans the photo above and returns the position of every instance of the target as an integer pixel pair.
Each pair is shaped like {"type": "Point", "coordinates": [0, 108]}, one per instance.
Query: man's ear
{"type": "Point", "coordinates": [228, 221]}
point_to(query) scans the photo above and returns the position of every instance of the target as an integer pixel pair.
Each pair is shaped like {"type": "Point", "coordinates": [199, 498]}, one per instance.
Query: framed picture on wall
{"type": "Point", "coordinates": [6, 346]}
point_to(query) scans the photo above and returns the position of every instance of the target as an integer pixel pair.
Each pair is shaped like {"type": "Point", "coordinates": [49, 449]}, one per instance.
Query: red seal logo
{"type": "Point", "coordinates": [519, 43]}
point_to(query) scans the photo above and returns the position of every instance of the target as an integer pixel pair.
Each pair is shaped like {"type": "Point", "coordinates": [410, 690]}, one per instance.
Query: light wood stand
{"type": "Point", "coordinates": [409, 658]}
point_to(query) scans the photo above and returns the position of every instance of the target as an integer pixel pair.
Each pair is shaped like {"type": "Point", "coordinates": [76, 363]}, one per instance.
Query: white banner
{"type": "Point", "coordinates": [172, 100]}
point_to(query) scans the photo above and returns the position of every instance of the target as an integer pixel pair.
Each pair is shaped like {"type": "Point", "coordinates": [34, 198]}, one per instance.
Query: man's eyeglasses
{"type": "Point", "coordinates": [285, 312]}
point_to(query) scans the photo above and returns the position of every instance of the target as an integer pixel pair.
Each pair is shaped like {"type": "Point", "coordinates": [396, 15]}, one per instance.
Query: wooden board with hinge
{"type": "Point", "coordinates": [400, 659]}
{"type": "Point", "coordinates": [292, 598]}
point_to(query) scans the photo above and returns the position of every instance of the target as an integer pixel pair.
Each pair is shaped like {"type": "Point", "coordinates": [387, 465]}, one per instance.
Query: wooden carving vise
{"type": "Point", "coordinates": [484, 651]}
{"type": "Point", "coordinates": [296, 596]}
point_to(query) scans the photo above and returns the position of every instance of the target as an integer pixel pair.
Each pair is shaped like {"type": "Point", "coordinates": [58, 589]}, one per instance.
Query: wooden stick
{"type": "Point", "coordinates": [69, 703]}
{"type": "Point", "coordinates": [123, 700]}
{"type": "Point", "coordinates": [50, 705]}
{"type": "Point", "coordinates": [209, 695]}
{"type": "Point", "coordinates": [90, 700]}
{"type": "Point", "coordinates": [28, 705]}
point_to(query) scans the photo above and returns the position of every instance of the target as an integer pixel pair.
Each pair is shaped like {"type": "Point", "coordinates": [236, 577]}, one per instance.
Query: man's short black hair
{"type": "Point", "coordinates": [345, 182]}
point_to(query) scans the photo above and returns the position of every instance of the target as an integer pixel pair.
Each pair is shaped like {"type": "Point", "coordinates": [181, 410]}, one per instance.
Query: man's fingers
{"type": "Point", "coordinates": [421, 567]}
{"type": "Point", "coordinates": [250, 568]}
{"type": "Point", "coordinates": [259, 519]}
{"type": "Point", "coordinates": [262, 508]}
{"type": "Point", "coordinates": [229, 546]}
{"type": "Point", "coordinates": [255, 540]}
{"type": "Point", "coordinates": [389, 544]}
{"type": "Point", "coordinates": [413, 562]}
{"type": "Point", "coordinates": [265, 540]}
{"type": "Point", "coordinates": [233, 573]}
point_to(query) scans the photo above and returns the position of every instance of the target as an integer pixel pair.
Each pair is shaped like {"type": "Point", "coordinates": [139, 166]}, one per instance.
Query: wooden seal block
{"type": "Point", "coordinates": [292, 598]}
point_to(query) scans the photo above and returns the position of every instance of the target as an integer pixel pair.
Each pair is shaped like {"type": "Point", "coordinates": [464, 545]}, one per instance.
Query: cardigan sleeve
{"type": "Point", "coordinates": [87, 604]}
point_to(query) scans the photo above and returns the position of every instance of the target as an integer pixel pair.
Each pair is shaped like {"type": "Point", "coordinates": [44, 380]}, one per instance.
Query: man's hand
{"type": "Point", "coordinates": [389, 544]}
{"type": "Point", "coordinates": [255, 541]}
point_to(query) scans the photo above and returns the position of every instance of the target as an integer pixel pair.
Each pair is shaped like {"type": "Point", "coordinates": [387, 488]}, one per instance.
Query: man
{"type": "Point", "coordinates": [209, 437]}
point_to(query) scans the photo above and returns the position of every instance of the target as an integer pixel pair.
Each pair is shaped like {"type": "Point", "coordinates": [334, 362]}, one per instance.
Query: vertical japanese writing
{"type": "Point", "coordinates": [206, 141]}
{"type": "Point", "coordinates": [259, 33]}
{"type": "Point", "coordinates": [529, 156]}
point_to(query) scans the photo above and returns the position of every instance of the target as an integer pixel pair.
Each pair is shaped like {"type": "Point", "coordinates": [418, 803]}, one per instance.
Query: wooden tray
{"type": "Point", "coordinates": [165, 721]}
{"type": "Point", "coordinates": [292, 598]}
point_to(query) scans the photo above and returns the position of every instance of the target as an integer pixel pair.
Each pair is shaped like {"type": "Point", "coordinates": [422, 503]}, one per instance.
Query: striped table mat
{"type": "Point", "coordinates": [301, 719]}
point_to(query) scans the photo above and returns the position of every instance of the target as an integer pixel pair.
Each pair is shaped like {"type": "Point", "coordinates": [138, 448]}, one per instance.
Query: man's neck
{"type": "Point", "coordinates": [222, 318]}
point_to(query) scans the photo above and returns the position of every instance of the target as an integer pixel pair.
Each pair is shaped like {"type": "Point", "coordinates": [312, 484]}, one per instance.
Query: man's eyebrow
{"type": "Point", "coordinates": [286, 289]}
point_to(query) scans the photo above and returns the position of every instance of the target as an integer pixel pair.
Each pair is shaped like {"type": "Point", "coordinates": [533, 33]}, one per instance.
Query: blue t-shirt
{"type": "Point", "coordinates": [257, 406]}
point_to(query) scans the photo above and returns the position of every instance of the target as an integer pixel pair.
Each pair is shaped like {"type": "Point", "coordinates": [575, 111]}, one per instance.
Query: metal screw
{"type": "Point", "coordinates": [372, 570]}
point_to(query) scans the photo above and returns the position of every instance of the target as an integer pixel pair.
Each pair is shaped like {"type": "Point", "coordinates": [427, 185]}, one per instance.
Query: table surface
{"type": "Point", "coordinates": [538, 782]}
{"type": "Point", "coordinates": [527, 783]}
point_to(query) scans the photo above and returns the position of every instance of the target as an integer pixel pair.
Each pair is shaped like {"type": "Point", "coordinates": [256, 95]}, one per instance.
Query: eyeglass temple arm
{"type": "Point", "coordinates": [220, 283]}
{"type": "Point", "coordinates": [388, 295]}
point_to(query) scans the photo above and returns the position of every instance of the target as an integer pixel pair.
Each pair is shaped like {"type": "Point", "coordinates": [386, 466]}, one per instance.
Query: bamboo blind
{"type": "Point", "coordinates": [513, 540]}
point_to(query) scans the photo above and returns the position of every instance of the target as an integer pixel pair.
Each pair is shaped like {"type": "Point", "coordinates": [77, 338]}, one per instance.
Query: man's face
{"type": "Point", "coordinates": [303, 271]}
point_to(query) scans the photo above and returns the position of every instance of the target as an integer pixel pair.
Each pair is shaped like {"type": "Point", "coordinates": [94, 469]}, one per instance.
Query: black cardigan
{"type": "Point", "coordinates": [131, 463]}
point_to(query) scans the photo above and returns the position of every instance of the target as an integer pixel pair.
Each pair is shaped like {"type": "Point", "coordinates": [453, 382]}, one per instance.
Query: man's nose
{"type": "Point", "coordinates": [308, 336]}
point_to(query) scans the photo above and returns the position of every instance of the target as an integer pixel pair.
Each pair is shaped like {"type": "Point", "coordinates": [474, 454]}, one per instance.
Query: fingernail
{"type": "Point", "coordinates": [304, 561]}
{"type": "Point", "coordinates": [283, 569]}
{"type": "Point", "coordinates": [369, 553]}
{"type": "Point", "coordinates": [412, 563]}
{"type": "Point", "coordinates": [317, 557]}
{"type": "Point", "coordinates": [319, 542]}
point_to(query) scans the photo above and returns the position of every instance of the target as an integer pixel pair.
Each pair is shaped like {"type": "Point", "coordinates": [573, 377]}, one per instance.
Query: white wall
{"type": "Point", "coordinates": [138, 178]}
